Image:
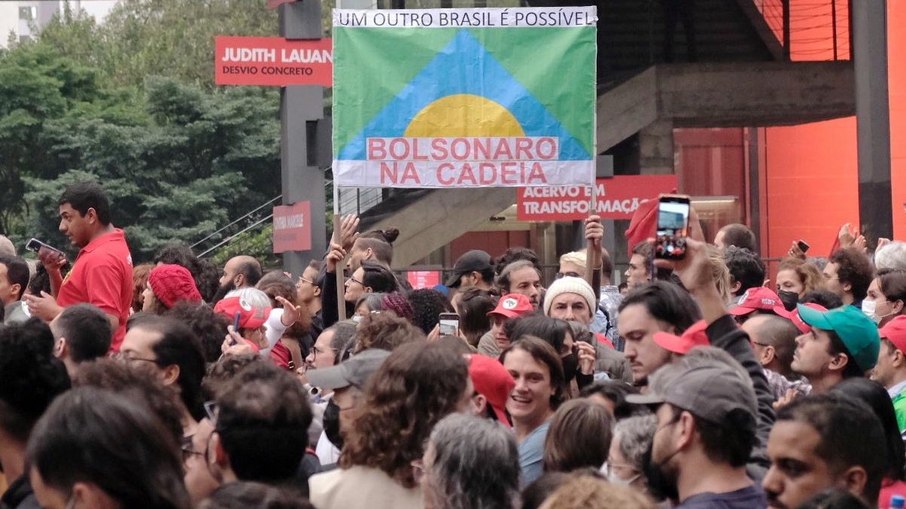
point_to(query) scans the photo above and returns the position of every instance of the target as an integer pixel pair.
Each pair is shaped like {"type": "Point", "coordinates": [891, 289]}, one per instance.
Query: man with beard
{"type": "Point", "coordinates": [521, 277]}
{"type": "Point", "coordinates": [664, 307]}
{"type": "Point", "coordinates": [706, 421]}
{"type": "Point", "coordinates": [655, 307]}
{"type": "Point", "coordinates": [823, 442]}
{"type": "Point", "coordinates": [239, 272]}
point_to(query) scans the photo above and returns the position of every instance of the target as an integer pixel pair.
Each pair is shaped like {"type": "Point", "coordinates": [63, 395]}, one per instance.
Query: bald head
{"type": "Point", "coordinates": [243, 271]}
{"type": "Point", "coordinates": [778, 334]}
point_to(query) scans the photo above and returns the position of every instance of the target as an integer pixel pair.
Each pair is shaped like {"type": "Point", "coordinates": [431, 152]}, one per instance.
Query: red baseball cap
{"type": "Point", "coordinates": [757, 299]}
{"type": "Point", "coordinates": [492, 381]}
{"type": "Point", "coordinates": [250, 317]}
{"type": "Point", "coordinates": [513, 305]}
{"type": "Point", "coordinates": [794, 317]}
{"type": "Point", "coordinates": [694, 336]}
{"type": "Point", "coordinates": [895, 332]}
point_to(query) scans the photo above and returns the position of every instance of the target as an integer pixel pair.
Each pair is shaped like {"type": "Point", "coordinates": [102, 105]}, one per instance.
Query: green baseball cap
{"type": "Point", "coordinates": [859, 334]}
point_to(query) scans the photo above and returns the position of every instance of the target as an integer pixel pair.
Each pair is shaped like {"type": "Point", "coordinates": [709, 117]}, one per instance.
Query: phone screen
{"type": "Point", "coordinates": [672, 227]}
{"type": "Point", "coordinates": [449, 324]}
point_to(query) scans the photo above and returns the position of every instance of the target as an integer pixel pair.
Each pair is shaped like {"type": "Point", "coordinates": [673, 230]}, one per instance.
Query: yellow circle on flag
{"type": "Point", "coordinates": [464, 115]}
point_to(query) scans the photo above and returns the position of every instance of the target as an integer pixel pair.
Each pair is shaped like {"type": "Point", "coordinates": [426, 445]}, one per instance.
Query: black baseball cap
{"type": "Point", "coordinates": [475, 260]}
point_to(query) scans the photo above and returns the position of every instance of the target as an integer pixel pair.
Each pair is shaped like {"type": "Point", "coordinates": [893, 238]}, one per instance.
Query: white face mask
{"type": "Point", "coordinates": [869, 307]}
{"type": "Point", "coordinates": [613, 479]}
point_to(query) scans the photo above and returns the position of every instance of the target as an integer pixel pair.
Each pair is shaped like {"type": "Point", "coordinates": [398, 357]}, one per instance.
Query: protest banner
{"type": "Point", "coordinates": [272, 61]}
{"type": "Point", "coordinates": [450, 98]}
{"type": "Point", "coordinates": [616, 198]}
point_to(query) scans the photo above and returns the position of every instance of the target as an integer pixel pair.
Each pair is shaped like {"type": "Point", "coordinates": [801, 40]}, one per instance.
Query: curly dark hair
{"type": "Point", "coordinates": [746, 268]}
{"type": "Point", "coordinates": [414, 389]}
{"type": "Point", "coordinates": [514, 254]}
{"type": "Point", "coordinates": [136, 385]}
{"type": "Point", "coordinates": [221, 372]}
{"type": "Point", "coordinates": [209, 327]}
{"type": "Point", "coordinates": [853, 267]}
{"type": "Point", "coordinates": [385, 331]}
{"type": "Point", "coordinates": [30, 376]}
{"type": "Point", "coordinates": [428, 304]}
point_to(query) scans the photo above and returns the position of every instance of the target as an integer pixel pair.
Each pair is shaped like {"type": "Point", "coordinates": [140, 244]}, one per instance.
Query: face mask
{"type": "Point", "coordinates": [613, 478]}
{"type": "Point", "coordinates": [870, 308]}
{"type": "Point", "coordinates": [570, 365]}
{"type": "Point", "coordinates": [331, 422]}
{"type": "Point", "coordinates": [789, 299]}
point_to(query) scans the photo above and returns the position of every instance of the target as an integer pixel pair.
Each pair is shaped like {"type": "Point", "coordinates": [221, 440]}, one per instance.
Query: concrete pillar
{"type": "Point", "coordinates": [656, 148]}
{"type": "Point", "coordinates": [872, 116]}
{"type": "Point", "coordinates": [301, 107]}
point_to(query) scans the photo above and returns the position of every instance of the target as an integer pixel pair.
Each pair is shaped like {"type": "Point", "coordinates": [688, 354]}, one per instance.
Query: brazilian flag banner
{"type": "Point", "coordinates": [464, 97]}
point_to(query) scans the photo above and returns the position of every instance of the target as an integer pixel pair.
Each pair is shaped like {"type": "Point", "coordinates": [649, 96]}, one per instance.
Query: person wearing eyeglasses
{"type": "Point", "coordinates": [626, 458]}
{"type": "Point", "coordinates": [370, 277]}
{"type": "Point", "coordinates": [308, 295]}
{"type": "Point", "coordinates": [170, 351]}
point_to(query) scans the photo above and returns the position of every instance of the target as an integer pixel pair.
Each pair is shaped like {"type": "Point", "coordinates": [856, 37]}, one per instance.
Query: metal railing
{"type": "Point", "coordinates": [809, 29]}
{"type": "Point", "coordinates": [252, 220]}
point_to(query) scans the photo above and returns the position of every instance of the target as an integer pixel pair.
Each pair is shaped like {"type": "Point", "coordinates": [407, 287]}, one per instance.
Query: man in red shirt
{"type": "Point", "coordinates": [102, 272]}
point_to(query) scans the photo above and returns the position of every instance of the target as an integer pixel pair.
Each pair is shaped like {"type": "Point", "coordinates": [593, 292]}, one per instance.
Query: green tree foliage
{"type": "Point", "coordinates": [180, 172]}
{"type": "Point", "coordinates": [131, 104]}
{"type": "Point", "coordinates": [174, 38]}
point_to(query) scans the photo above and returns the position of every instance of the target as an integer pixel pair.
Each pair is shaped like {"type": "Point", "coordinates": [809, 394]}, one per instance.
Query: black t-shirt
{"type": "Point", "coordinates": [751, 497]}
{"type": "Point", "coordinates": [19, 495]}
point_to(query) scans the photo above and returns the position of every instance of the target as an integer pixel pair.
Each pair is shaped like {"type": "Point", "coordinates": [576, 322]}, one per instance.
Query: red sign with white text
{"type": "Point", "coordinates": [272, 61]}
{"type": "Point", "coordinates": [292, 227]}
{"type": "Point", "coordinates": [617, 198]}
{"type": "Point", "coordinates": [423, 278]}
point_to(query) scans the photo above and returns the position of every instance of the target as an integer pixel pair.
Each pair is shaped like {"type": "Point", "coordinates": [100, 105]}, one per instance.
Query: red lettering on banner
{"type": "Point", "coordinates": [503, 152]}
{"type": "Point", "coordinates": [438, 149]}
{"type": "Point", "coordinates": [376, 149]}
{"type": "Point", "coordinates": [390, 173]}
{"type": "Point", "coordinates": [523, 146]}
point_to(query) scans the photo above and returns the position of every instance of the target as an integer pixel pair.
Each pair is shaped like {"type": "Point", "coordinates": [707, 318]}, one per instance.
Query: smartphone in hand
{"type": "Point", "coordinates": [449, 324]}
{"type": "Point", "coordinates": [35, 245]}
{"type": "Point", "coordinates": [672, 227]}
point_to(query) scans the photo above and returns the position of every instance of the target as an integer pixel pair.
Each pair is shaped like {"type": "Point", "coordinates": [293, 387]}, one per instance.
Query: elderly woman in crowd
{"type": "Point", "coordinates": [631, 442]}
{"type": "Point", "coordinates": [470, 463]}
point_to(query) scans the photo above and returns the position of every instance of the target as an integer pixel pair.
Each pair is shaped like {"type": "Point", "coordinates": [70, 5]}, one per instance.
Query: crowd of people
{"type": "Point", "coordinates": [699, 383]}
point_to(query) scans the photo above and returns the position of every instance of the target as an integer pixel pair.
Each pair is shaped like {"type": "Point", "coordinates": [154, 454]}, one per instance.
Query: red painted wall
{"type": "Point", "coordinates": [896, 68]}
{"type": "Point", "coordinates": [811, 184]}
{"type": "Point", "coordinates": [811, 170]}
